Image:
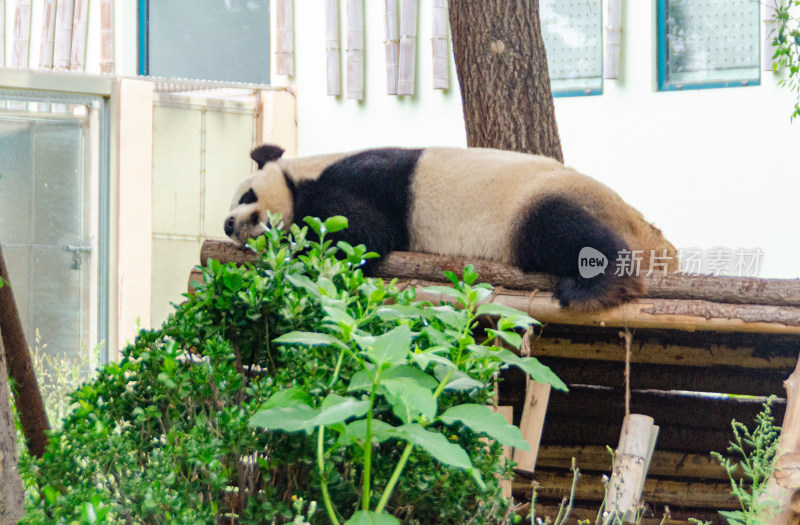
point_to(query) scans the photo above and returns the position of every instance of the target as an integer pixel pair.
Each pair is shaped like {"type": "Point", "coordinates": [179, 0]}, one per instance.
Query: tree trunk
{"type": "Point", "coordinates": [502, 70]}
{"type": "Point", "coordinates": [20, 368]}
{"type": "Point", "coordinates": [11, 492]}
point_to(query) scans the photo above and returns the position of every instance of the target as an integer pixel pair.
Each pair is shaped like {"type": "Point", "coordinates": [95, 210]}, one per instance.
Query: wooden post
{"type": "Point", "coordinates": [784, 484]}
{"type": "Point", "coordinates": [106, 36]}
{"type": "Point", "coordinates": [48, 34]}
{"type": "Point", "coordinates": [284, 43]}
{"type": "Point", "coordinates": [28, 398]}
{"type": "Point", "coordinates": [408, 47]}
{"type": "Point", "coordinates": [769, 34]}
{"type": "Point", "coordinates": [441, 70]}
{"type": "Point", "coordinates": [613, 38]}
{"type": "Point", "coordinates": [22, 30]}
{"type": "Point", "coordinates": [508, 413]}
{"type": "Point", "coordinates": [537, 395]}
{"type": "Point", "coordinates": [636, 444]}
{"type": "Point", "coordinates": [77, 61]}
{"type": "Point", "coordinates": [332, 47]}
{"type": "Point", "coordinates": [392, 47]}
{"type": "Point", "coordinates": [355, 49]}
{"type": "Point", "coordinates": [11, 495]}
{"type": "Point", "coordinates": [63, 36]}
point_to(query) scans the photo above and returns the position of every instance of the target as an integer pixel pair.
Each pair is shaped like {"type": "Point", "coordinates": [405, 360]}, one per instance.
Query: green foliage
{"type": "Point", "coordinates": [294, 379]}
{"type": "Point", "coordinates": [754, 460]}
{"type": "Point", "coordinates": [787, 48]}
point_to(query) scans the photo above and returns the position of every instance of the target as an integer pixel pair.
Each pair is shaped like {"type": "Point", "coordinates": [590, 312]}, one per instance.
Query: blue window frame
{"type": "Point", "coordinates": [573, 36]}
{"type": "Point", "coordinates": [205, 39]}
{"type": "Point", "coordinates": [708, 44]}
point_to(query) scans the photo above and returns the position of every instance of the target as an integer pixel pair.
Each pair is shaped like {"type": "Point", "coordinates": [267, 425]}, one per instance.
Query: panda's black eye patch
{"type": "Point", "coordinates": [249, 197]}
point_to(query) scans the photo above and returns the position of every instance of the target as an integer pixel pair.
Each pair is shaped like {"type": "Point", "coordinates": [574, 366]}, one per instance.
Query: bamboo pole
{"type": "Point", "coordinates": [48, 34]}
{"type": "Point", "coordinates": [537, 396]}
{"type": "Point", "coordinates": [11, 495]}
{"type": "Point", "coordinates": [77, 61]}
{"type": "Point", "coordinates": [408, 47]}
{"type": "Point", "coordinates": [332, 47]}
{"type": "Point", "coordinates": [441, 70]}
{"type": "Point", "coordinates": [63, 35]}
{"type": "Point", "coordinates": [2, 33]}
{"type": "Point", "coordinates": [392, 47]}
{"type": "Point", "coordinates": [783, 486]}
{"type": "Point", "coordinates": [106, 36]}
{"type": "Point", "coordinates": [631, 461]}
{"type": "Point", "coordinates": [284, 43]}
{"type": "Point", "coordinates": [20, 368]}
{"type": "Point", "coordinates": [613, 38]}
{"type": "Point", "coordinates": [22, 31]}
{"type": "Point", "coordinates": [355, 49]}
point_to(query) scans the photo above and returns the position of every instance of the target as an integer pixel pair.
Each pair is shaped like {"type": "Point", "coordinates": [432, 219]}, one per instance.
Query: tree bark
{"type": "Point", "coordinates": [11, 493]}
{"type": "Point", "coordinates": [20, 368]}
{"type": "Point", "coordinates": [502, 70]}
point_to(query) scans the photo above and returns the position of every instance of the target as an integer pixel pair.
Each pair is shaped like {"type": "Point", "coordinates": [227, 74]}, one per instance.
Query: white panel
{"type": "Point", "coordinates": [173, 260]}
{"type": "Point", "coordinates": [176, 170]}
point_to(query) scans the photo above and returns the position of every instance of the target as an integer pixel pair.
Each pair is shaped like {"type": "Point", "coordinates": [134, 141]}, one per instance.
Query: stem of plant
{"type": "Point", "coordinates": [398, 469]}
{"type": "Point", "coordinates": [368, 447]}
{"type": "Point", "coordinates": [322, 482]}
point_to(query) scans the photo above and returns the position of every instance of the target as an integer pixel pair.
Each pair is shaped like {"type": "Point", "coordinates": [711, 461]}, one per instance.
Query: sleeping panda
{"type": "Point", "coordinates": [524, 210]}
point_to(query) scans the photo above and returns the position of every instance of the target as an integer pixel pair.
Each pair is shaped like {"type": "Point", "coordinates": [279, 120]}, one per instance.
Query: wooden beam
{"type": "Point", "coordinates": [63, 38]}
{"type": "Point", "coordinates": [534, 409]}
{"type": "Point", "coordinates": [284, 42]}
{"type": "Point", "coordinates": [441, 68]}
{"type": "Point", "coordinates": [48, 34]}
{"type": "Point", "coordinates": [12, 493]}
{"type": "Point", "coordinates": [408, 47]}
{"type": "Point", "coordinates": [332, 47]}
{"type": "Point", "coordinates": [408, 265]}
{"type": "Point", "coordinates": [355, 49]}
{"type": "Point", "coordinates": [77, 60]}
{"type": "Point", "coordinates": [631, 463]}
{"type": "Point", "coordinates": [22, 32]}
{"type": "Point", "coordinates": [392, 46]}
{"type": "Point", "coordinates": [784, 483]}
{"type": "Point", "coordinates": [20, 368]}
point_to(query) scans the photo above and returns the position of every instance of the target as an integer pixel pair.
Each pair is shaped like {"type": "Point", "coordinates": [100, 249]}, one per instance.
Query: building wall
{"type": "Point", "coordinates": [712, 168]}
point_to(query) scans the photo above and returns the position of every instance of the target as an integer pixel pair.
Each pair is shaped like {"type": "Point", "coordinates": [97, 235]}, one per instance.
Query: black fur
{"type": "Point", "coordinates": [550, 237]}
{"type": "Point", "coordinates": [266, 153]}
{"type": "Point", "coordinates": [371, 189]}
{"type": "Point", "coordinates": [249, 197]}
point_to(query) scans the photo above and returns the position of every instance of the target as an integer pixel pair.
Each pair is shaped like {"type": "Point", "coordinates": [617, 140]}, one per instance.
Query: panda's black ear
{"type": "Point", "coordinates": [266, 153]}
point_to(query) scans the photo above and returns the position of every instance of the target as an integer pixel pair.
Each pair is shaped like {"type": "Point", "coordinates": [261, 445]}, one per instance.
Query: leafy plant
{"type": "Point", "coordinates": [787, 48]}
{"type": "Point", "coordinates": [373, 402]}
{"type": "Point", "coordinates": [754, 452]}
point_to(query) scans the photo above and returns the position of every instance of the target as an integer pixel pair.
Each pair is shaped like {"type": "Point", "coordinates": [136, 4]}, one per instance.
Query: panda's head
{"type": "Point", "coordinates": [269, 190]}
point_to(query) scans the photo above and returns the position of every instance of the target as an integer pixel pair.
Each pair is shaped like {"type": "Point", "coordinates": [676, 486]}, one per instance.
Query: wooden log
{"type": "Point", "coordinates": [332, 47]}
{"type": "Point", "coordinates": [409, 265]}
{"type": "Point", "coordinates": [588, 513]}
{"type": "Point", "coordinates": [664, 464]}
{"type": "Point", "coordinates": [20, 368]}
{"type": "Point", "coordinates": [704, 495]}
{"type": "Point", "coordinates": [355, 49]}
{"type": "Point", "coordinates": [106, 36]}
{"type": "Point", "coordinates": [613, 38]}
{"type": "Point", "coordinates": [408, 47]}
{"type": "Point", "coordinates": [284, 38]}
{"type": "Point", "coordinates": [48, 34]}
{"type": "Point", "coordinates": [77, 59]}
{"type": "Point", "coordinates": [534, 409]}
{"type": "Point", "coordinates": [631, 462]}
{"type": "Point", "coordinates": [441, 69]}
{"type": "Point", "coordinates": [783, 486]}
{"type": "Point", "coordinates": [11, 495]}
{"type": "Point", "coordinates": [22, 31]}
{"type": "Point", "coordinates": [63, 37]}
{"type": "Point", "coordinates": [392, 46]}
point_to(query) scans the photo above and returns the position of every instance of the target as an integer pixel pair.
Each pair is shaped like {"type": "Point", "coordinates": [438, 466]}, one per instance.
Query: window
{"type": "Point", "coordinates": [707, 43]}
{"type": "Point", "coordinates": [205, 39]}
{"type": "Point", "coordinates": [573, 37]}
{"type": "Point", "coordinates": [52, 188]}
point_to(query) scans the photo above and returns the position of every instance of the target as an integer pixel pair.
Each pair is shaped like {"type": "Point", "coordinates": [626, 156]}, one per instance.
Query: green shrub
{"type": "Point", "coordinates": [165, 435]}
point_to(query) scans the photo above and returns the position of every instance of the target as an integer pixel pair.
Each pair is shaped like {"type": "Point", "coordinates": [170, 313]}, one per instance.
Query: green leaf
{"type": "Point", "coordinates": [288, 419]}
{"type": "Point", "coordinates": [450, 316]}
{"type": "Point", "coordinates": [361, 380]}
{"type": "Point", "coordinates": [402, 311]}
{"type": "Point", "coordinates": [521, 320]}
{"type": "Point", "coordinates": [446, 290]}
{"type": "Point", "coordinates": [380, 431]}
{"type": "Point", "coordinates": [337, 409]}
{"type": "Point", "coordinates": [289, 397]}
{"type": "Point", "coordinates": [369, 517]}
{"type": "Point", "coordinates": [390, 348]}
{"type": "Point", "coordinates": [50, 494]}
{"type": "Point", "coordinates": [410, 396]}
{"type": "Point", "coordinates": [530, 365]}
{"type": "Point", "coordinates": [470, 275]}
{"type": "Point", "coordinates": [458, 382]}
{"type": "Point", "coordinates": [303, 282]}
{"type": "Point", "coordinates": [440, 448]}
{"type": "Point", "coordinates": [512, 338]}
{"type": "Point", "coordinates": [335, 223]}
{"type": "Point", "coordinates": [309, 339]}
{"type": "Point", "coordinates": [432, 355]}
{"type": "Point", "coordinates": [314, 223]}
{"type": "Point", "coordinates": [482, 419]}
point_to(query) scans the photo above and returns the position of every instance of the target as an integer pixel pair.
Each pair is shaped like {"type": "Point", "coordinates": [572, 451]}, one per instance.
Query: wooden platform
{"type": "Point", "coordinates": [705, 350]}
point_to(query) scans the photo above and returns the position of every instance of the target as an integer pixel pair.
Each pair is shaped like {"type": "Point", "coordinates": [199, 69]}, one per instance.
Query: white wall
{"type": "Point", "coordinates": [714, 167]}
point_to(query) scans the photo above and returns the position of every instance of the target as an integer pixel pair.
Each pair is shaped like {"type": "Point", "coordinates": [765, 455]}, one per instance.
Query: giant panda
{"type": "Point", "coordinates": [524, 210]}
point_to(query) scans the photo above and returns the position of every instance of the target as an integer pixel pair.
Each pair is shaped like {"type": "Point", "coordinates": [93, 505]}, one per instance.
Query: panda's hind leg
{"type": "Point", "coordinates": [552, 234]}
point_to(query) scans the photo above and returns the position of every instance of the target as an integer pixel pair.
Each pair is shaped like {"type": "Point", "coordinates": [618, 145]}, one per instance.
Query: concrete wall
{"type": "Point", "coordinates": [714, 167]}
